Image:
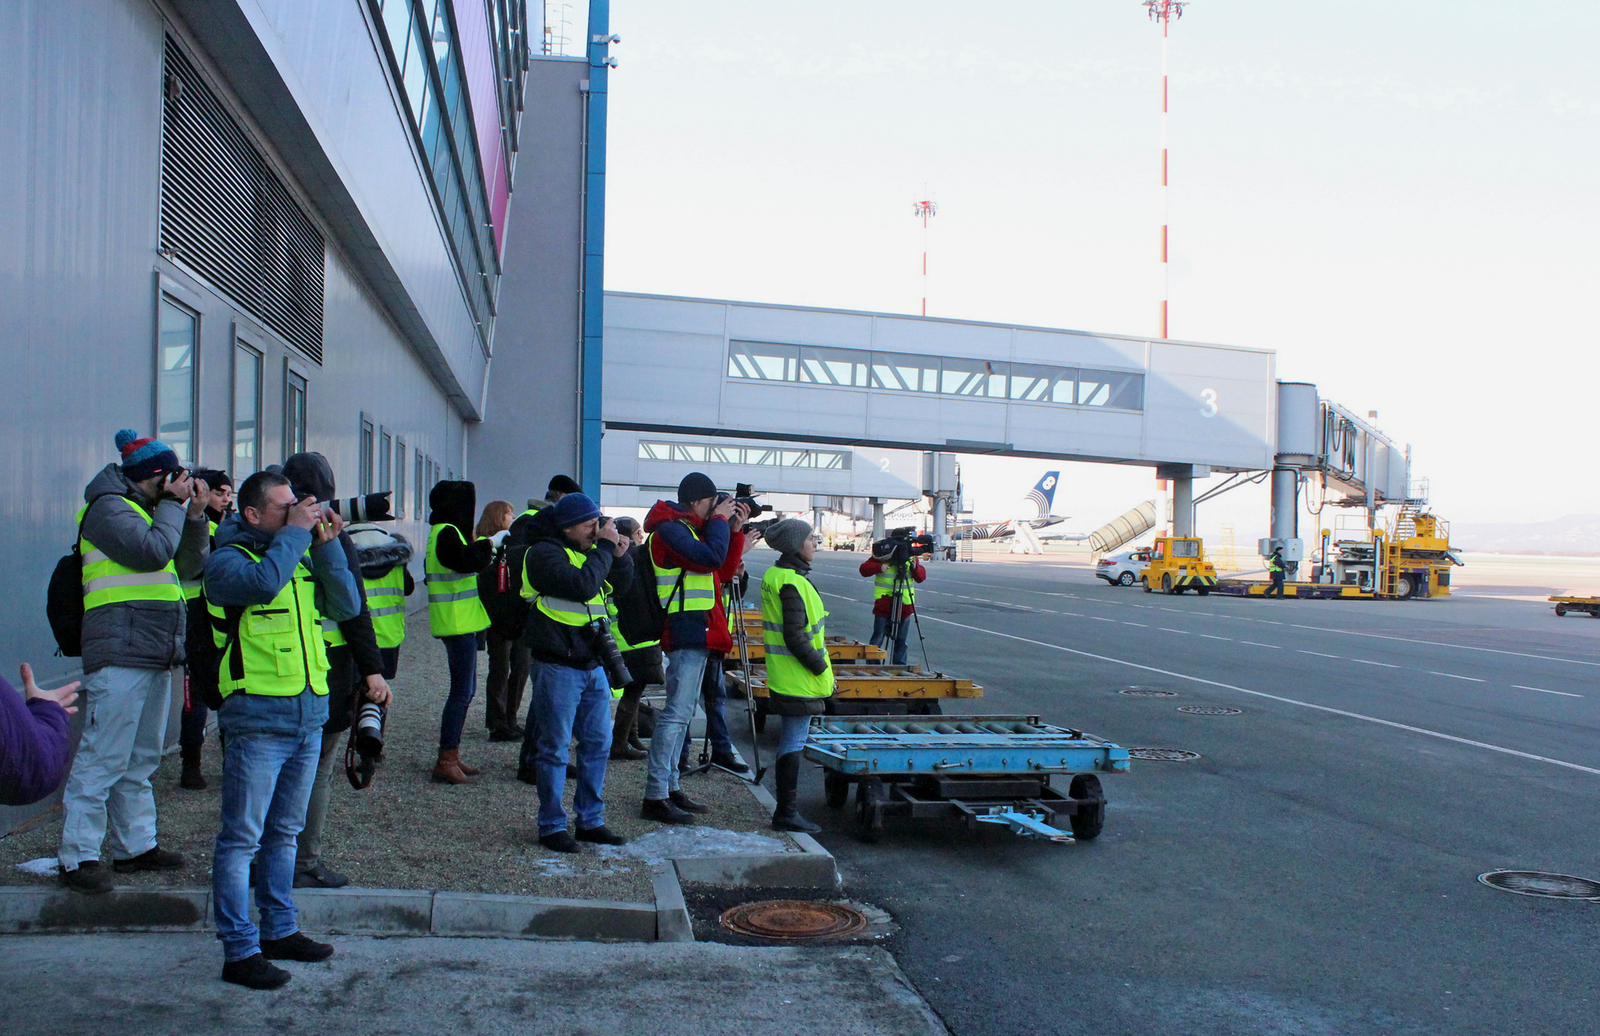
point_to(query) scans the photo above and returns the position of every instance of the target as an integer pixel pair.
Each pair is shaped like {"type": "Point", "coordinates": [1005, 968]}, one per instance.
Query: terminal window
{"type": "Point", "coordinates": [757, 456]}
{"type": "Point", "coordinates": [935, 375]}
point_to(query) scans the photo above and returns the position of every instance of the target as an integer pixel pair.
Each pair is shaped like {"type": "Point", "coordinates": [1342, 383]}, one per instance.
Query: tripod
{"type": "Point", "coordinates": [733, 605]}
{"type": "Point", "coordinates": [901, 590]}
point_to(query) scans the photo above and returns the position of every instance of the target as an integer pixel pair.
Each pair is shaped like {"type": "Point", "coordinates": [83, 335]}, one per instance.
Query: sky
{"type": "Point", "coordinates": [1397, 198]}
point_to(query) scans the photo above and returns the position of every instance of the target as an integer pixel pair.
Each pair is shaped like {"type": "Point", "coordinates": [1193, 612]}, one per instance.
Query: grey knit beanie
{"type": "Point", "coordinates": [788, 535]}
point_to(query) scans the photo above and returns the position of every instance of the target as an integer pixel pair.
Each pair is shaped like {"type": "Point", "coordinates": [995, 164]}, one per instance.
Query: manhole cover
{"type": "Point", "coordinates": [1539, 883]}
{"type": "Point", "coordinates": [1163, 755]}
{"type": "Point", "coordinates": [1209, 710]}
{"type": "Point", "coordinates": [791, 919]}
{"type": "Point", "coordinates": [1149, 692]}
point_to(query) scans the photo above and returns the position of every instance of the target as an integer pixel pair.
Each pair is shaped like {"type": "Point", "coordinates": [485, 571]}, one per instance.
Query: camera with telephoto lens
{"type": "Point", "coordinates": [901, 545]}
{"type": "Point", "coordinates": [374, 507]}
{"type": "Point", "coordinates": [605, 649]}
{"type": "Point", "coordinates": [367, 740]}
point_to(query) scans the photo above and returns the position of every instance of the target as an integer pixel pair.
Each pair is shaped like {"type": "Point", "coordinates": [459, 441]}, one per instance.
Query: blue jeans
{"type": "Point", "coordinates": [792, 737]}
{"type": "Point", "coordinates": [266, 782]}
{"type": "Point", "coordinates": [567, 701]}
{"type": "Point", "coordinates": [712, 695]}
{"type": "Point", "coordinates": [880, 637]}
{"type": "Point", "coordinates": [686, 668]}
{"type": "Point", "coordinates": [461, 651]}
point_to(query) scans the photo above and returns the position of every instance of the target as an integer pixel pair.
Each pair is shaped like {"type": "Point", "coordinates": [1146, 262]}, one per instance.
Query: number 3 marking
{"type": "Point", "coordinates": [1209, 409]}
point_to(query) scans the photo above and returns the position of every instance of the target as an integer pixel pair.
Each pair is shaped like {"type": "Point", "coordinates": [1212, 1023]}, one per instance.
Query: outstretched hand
{"type": "Point", "coordinates": [63, 696]}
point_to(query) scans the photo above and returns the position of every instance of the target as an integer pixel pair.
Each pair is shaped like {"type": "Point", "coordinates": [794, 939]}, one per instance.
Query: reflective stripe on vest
{"type": "Point", "coordinates": [559, 609]}
{"type": "Point", "coordinates": [107, 582]}
{"type": "Point", "coordinates": [453, 605]}
{"type": "Point", "coordinates": [883, 584]}
{"type": "Point", "coordinates": [785, 674]}
{"type": "Point", "coordinates": [278, 649]}
{"type": "Point", "coordinates": [699, 592]}
{"type": "Point", "coordinates": [386, 602]}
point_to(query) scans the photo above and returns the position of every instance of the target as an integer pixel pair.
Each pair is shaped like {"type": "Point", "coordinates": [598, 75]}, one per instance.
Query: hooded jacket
{"type": "Point", "coordinates": [456, 504]}
{"type": "Point", "coordinates": [139, 634]}
{"type": "Point", "coordinates": [718, 550]}
{"type": "Point", "coordinates": [547, 569]}
{"type": "Point", "coordinates": [310, 474]}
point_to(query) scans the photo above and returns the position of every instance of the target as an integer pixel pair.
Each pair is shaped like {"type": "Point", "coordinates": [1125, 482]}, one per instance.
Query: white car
{"type": "Point", "coordinates": [1123, 569]}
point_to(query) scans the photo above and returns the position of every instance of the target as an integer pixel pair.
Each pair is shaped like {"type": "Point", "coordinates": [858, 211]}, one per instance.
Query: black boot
{"type": "Point", "coordinates": [191, 777]}
{"type": "Point", "coordinates": [787, 816]}
{"type": "Point", "coordinates": [627, 711]}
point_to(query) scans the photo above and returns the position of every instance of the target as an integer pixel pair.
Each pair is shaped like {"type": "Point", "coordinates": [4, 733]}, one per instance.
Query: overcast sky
{"type": "Point", "coordinates": [1397, 198]}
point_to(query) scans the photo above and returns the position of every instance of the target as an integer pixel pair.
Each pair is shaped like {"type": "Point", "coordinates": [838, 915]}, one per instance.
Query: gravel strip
{"type": "Point", "coordinates": [408, 832]}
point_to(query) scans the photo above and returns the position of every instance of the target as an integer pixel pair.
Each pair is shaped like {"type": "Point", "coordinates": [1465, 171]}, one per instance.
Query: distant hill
{"type": "Point", "coordinates": [1573, 534]}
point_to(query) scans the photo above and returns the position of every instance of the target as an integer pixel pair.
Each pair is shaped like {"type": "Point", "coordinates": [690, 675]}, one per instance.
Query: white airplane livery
{"type": "Point", "coordinates": [1039, 500]}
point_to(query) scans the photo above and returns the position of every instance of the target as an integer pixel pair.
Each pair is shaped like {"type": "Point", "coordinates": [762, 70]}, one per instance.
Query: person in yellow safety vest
{"type": "Point", "coordinates": [455, 614]}
{"type": "Point", "coordinates": [1275, 573]}
{"type": "Point", "coordinates": [574, 556]}
{"type": "Point", "coordinates": [142, 529]}
{"type": "Point", "coordinates": [192, 726]}
{"type": "Point", "coordinates": [886, 575]}
{"type": "Point", "coordinates": [643, 658]}
{"type": "Point", "coordinates": [799, 673]}
{"type": "Point", "coordinates": [278, 570]}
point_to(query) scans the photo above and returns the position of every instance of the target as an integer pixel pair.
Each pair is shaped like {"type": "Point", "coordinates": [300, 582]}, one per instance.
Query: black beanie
{"type": "Point", "coordinates": [563, 484]}
{"type": "Point", "coordinates": [695, 486]}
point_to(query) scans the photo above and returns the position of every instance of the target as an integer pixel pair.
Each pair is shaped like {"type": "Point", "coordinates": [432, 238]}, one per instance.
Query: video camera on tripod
{"type": "Point", "coordinates": [901, 545]}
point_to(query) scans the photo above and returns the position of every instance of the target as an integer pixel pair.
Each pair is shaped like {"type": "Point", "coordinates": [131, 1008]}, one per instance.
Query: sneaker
{"type": "Point", "coordinates": [688, 805]}
{"type": "Point", "coordinates": [254, 973]}
{"type": "Point", "coordinates": [296, 947]}
{"type": "Point", "coordinates": [601, 835]}
{"type": "Point", "coordinates": [729, 761]}
{"type": "Point", "coordinates": [87, 877]}
{"type": "Point", "coordinates": [319, 877]}
{"type": "Point", "coordinates": [559, 842]}
{"type": "Point", "coordinates": [663, 811]}
{"type": "Point", "coordinates": [157, 859]}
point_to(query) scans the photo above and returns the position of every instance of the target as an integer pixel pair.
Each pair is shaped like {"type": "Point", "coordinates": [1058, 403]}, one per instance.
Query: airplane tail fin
{"type": "Point", "coordinates": [1043, 494]}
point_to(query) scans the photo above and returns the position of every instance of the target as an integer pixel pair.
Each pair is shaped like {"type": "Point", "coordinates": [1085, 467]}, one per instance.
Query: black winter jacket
{"type": "Point", "coordinates": [547, 569]}
{"type": "Point", "coordinates": [507, 611]}
{"type": "Point", "coordinates": [456, 503]}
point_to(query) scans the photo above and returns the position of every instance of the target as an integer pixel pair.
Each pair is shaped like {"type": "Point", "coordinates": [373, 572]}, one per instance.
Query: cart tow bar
{"type": "Point", "coordinates": [1029, 825]}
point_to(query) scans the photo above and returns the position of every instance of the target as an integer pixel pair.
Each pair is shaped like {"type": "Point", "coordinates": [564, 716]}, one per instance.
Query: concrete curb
{"type": "Point", "coordinates": [811, 867]}
{"type": "Point", "coordinates": [672, 913]}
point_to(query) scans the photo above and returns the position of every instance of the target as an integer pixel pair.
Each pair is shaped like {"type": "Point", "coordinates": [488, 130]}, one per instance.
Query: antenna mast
{"type": "Point", "coordinates": [1165, 12]}
{"type": "Point", "coordinates": [924, 210]}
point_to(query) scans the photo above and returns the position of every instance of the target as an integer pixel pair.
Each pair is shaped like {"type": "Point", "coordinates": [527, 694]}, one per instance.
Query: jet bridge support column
{"type": "Point", "coordinates": [1182, 477]}
{"type": "Point", "coordinates": [877, 519]}
{"type": "Point", "coordinates": [1286, 512]}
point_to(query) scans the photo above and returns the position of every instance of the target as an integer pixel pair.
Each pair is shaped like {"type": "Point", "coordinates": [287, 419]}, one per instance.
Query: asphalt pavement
{"type": "Point", "coordinates": [1314, 871]}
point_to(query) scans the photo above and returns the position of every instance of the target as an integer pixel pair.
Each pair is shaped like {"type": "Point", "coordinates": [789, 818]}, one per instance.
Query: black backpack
{"type": "Point", "coordinates": [63, 602]}
{"type": "Point", "coordinates": [640, 614]}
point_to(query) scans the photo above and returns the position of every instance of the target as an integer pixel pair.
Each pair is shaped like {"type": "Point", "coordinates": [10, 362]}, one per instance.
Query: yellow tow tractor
{"type": "Point", "coordinates": [1178, 563]}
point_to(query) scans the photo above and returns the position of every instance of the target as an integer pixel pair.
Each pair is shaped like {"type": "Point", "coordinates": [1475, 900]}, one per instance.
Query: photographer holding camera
{"type": "Point", "coordinates": [142, 529]}
{"type": "Point", "coordinates": [575, 556]}
{"type": "Point", "coordinates": [894, 569]}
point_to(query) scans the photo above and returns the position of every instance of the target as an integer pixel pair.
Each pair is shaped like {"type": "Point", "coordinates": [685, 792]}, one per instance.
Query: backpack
{"type": "Point", "coordinates": [640, 613]}
{"type": "Point", "coordinates": [203, 659]}
{"type": "Point", "coordinates": [63, 601]}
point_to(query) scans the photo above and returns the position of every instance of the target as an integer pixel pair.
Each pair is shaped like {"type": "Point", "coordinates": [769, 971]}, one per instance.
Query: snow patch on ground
{"type": "Point", "coordinates": [42, 867]}
{"type": "Point", "coordinates": [670, 843]}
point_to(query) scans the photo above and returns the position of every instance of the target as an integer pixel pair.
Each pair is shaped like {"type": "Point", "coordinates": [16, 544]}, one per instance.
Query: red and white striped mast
{"type": "Point", "coordinates": [1164, 11]}
{"type": "Point", "coordinates": [925, 210]}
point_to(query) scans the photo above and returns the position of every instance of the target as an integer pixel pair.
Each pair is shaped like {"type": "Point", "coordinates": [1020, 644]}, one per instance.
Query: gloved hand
{"type": "Point", "coordinates": [499, 538]}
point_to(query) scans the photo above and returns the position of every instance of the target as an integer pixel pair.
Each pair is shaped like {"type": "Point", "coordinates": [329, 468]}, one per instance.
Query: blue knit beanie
{"type": "Point", "coordinates": [573, 509]}
{"type": "Point", "coordinates": [144, 458]}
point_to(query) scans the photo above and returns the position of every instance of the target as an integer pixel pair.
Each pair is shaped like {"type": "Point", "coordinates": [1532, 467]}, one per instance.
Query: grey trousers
{"type": "Point", "coordinates": [108, 795]}
{"type": "Point", "coordinates": [308, 853]}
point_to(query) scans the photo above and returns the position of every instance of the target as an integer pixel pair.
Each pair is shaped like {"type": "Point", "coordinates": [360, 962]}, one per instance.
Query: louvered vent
{"type": "Point", "coordinates": [226, 215]}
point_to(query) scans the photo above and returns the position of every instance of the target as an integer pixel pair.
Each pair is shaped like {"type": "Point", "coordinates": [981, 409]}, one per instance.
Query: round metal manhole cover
{"type": "Point", "coordinates": [1163, 755]}
{"type": "Point", "coordinates": [794, 919]}
{"type": "Point", "coordinates": [1209, 710]}
{"type": "Point", "coordinates": [1148, 692]}
{"type": "Point", "coordinates": [1539, 883]}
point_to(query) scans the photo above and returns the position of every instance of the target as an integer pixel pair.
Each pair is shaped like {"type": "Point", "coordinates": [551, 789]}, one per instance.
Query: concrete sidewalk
{"type": "Point", "coordinates": [156, 984]}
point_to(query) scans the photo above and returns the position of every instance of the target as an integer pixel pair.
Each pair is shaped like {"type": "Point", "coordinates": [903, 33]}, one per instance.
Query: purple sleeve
{"type": "Point", "coordinates": [34, 747]}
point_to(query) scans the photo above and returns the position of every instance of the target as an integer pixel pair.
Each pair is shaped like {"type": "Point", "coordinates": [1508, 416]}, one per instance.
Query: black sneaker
{"type": "Point", "coordinates": [87, 877]}
{"type": "Point", "coordinates": [296, 947]}
{"type": "Point", "coordinates": [157, 859]}
{"type": "Point", "coordinates": [730, 762]}
{"type": "Point", "coordinates": [559, 842]}
{"type": "Point", "coordinates": [663, 811]}
{"type": "Point", "coordinates": [319, 877]}
{"type": "Point", "coordinates": [254, 973]}
{"type": "Point", "coordinates": [601, 835]}
{"type": "Point", "coordinates": [688, 805]}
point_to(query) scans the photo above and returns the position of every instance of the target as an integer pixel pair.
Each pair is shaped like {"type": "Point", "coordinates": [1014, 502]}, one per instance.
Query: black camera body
{"type": "Point", "coordinates": [610, 656]}
{"type": "Point", "coordinates": [901, 545]}
{"type": "Point", "coordinates": [744, 493]}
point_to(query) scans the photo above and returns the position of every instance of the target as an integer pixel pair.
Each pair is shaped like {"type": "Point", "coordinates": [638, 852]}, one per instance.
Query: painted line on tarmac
{"type": "Point", "coordinates": [1386, 665]}
{"type": "Point", "coordinates": [1141, 625]}
{"type": "Point", "coordinates": [1435, 643]}
{"type": "Point", "coordinates": [1212, 636]}
{"type": "Point", "coordinates": [1254, 644]}
{"type": "Point", "coordinates": [1453, 676]}
{"type": "Point", "coordinates": [1289, 701]}
{"type": "Point", "coordinates": [1164, 629]}
{"type": "Point", "coordinates": [1541, 690]}
{"type": "Point", "coordinates": [1319, 654]}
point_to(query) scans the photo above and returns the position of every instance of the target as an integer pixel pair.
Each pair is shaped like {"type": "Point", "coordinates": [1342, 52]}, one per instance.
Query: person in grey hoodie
{"type": "Point", "coordinates": [143, 529]}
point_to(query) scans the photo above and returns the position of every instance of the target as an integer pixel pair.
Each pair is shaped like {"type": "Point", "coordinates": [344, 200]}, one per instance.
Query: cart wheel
{"type": "Point", "coordinates": [1561, 609]}
{"type": "Point", "coordinates": [837, 789]}
{"type": "Point", "coordinates": [1166, 583]}
{"type": "Point", "coordinates": [1089, 819]}
{"type": "Point", "coordinates": [929, 707]}
{"type": "Point", "coordinates": [1595, 614]}
{"type": "Point", "coordinates": [1202, 590]}
{"type": "Point", "coordinates": [869, 810]}
{"type": "Point", "coordinates": [1145, 580]}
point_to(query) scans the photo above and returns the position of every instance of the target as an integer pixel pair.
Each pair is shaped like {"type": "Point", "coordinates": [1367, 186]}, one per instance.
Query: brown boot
{"type": "Point", "coordinates": [470, 771]}
{"type": "Point", "coordinates": [448, 769]}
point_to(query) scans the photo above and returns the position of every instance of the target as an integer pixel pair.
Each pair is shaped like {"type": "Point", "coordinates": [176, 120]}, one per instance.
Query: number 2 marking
{"type": "Point", "coordinates": [1209, 407]}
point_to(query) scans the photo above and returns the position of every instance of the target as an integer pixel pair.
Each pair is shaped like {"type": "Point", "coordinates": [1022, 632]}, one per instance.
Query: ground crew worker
{"type": "Point", "coordinates": [277, 570]}
{"type": "Point", "coordinates": [455, 614]}
{"type": "Point", "coordinates": [1275, 572]}
{"type": "Point", "coordinates": [799, 673]}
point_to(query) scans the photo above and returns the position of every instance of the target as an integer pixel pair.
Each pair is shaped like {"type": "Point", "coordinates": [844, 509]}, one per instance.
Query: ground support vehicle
{"type": "Point", "coordinates": [979, 769]}
{"type": "Point", "coordinates": [1321, 591]}
{"type": "Point", "coordinates": [871, 689]}
{"type": "Point", "coordinates": [1178, 563]}
{"type": "Point", "coordinates": [1591, 605]}
{"type": "Point", "coordinates": [1412, 558]}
